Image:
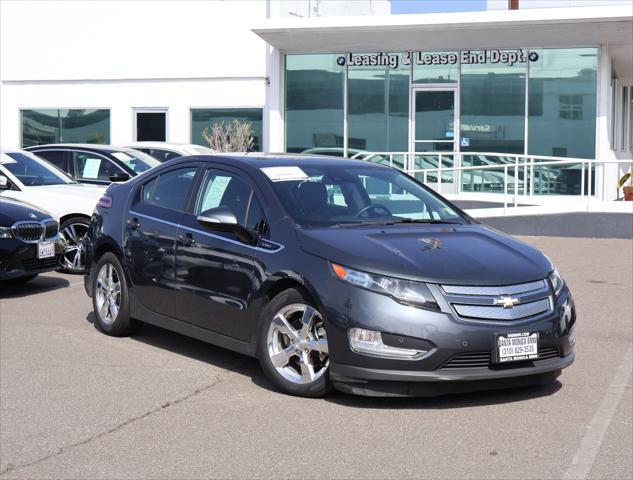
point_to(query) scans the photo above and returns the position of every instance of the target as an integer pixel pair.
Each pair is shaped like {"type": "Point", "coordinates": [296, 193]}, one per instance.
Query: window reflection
{"type": "Point", "coordinates": [378, 108]}
{"type": "Point", "coordinates": [562, 103]}
{"type": "Point", "coordinates": [52, 125]}
{"type": "Point", "coordinates": [493, 107]}
{"type": "Point", "coordinates": [314, 102]}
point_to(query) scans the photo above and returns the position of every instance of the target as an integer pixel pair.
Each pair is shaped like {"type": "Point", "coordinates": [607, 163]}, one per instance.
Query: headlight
{"type": "Point", "coordinates": [557, 282]}
{"type": "Point", "coordinates": [403, 291]}
{"type": "Point", "coordinates": [5, 232]}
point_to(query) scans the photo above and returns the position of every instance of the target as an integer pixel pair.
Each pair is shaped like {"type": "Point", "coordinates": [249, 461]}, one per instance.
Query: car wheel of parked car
{"type": "Point", "coordinates": [72, 232]}
{"type": "Point", "coordinates": [292, 345]}
{"type": "Point", "coordinates": [110, 297]}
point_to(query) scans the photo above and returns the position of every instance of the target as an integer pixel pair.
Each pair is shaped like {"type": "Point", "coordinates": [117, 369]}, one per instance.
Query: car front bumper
{"type": "Point", "coordinates": [377, 382]}
{"type": "Point", "coordinates": [443, 368]}
{"type": "Point", "coordinates": [19, 259]}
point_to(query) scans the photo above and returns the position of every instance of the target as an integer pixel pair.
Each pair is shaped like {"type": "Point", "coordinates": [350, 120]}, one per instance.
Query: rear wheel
{"type": "Point", "coordinates": [110, 298]}
{"type": "Point", "coordinates": [293, 347]}
{"type": "Point", "coordinates": [73, 232]}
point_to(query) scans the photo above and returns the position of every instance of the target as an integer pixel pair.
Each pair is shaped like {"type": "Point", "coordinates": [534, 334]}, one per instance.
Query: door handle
{"type": "Point", "coordinates": [187, 239]}
{"type": "Point", "coordinates": [133, 223]}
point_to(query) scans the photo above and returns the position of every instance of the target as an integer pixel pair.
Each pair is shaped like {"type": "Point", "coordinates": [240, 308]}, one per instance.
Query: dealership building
{"type": "Point", "coordinates": [536, 101]}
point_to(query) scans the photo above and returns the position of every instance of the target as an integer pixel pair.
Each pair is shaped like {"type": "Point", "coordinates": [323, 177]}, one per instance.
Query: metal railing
{"type": "Point", "coordinates": [523, 173]}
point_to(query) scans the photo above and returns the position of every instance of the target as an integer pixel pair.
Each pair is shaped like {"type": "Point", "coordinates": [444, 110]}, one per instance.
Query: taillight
{"type": "Point", "coordinates": [105, 201]}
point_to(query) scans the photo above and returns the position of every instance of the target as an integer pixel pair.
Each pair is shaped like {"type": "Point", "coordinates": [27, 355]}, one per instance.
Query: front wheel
{"type": "Point", "coordinates": [73, 233]}
{"type": "Point", "coordinates": [292, 345]}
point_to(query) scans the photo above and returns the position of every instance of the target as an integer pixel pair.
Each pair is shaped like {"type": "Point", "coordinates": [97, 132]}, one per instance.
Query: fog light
{"type": "Point", "coordinates": [370, 342]}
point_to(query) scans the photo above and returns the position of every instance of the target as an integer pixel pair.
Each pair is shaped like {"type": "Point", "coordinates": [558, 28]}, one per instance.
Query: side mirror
{"type": "Point", "coordinates": [223, 219]}
{"type": "Point", "coordinates": [119, 177]}
{"type": "Point", "coordinates": [4, 183]}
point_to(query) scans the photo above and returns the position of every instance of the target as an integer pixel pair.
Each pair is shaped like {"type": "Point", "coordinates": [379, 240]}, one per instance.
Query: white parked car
{"type": "Point", "coordinates": [34, 180]}
{"type": "Point", "coordinates": [163, 151]}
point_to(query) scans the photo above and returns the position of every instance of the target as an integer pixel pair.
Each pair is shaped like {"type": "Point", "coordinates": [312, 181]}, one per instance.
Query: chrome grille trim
{"type": "Point", "coordinates": [494, 291]}
{"type": "Point", "coordinates": [499, 313]}
{"type": "Point", "coordinates": [30, 231]}
{"type": "Point", "coordinates": [33, 231]}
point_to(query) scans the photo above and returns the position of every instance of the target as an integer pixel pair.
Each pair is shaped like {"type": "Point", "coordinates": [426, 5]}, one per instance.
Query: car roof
{"type": "Point", "coordinates": [261, 160]}
{"type": "Point", "coordinates": [83, 146]}
{"type": "Point", "coordinates": [164, 145]}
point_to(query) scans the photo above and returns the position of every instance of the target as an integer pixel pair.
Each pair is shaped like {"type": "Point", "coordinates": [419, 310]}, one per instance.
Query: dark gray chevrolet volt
{"type": "Point", "coordinates": [333, 273]}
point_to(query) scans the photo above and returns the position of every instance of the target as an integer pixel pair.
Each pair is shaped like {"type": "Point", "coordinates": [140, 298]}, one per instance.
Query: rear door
{"type": "Point", "coordinates": [151, 228]}
{"type": "Point", "coordinates": [216, 274]}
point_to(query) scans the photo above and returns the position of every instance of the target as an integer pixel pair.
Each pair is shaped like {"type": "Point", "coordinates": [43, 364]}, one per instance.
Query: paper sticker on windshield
{"type": "Point", "coordinates": [285, 174]}
{"type": "Point", "coordinates": [121, 156]}
{"type": "Point", "coordinates": [91, 168]}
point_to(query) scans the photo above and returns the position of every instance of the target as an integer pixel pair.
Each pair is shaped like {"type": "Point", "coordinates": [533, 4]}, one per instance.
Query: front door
{"type": "Point", "coordinates": [434, 134]}
{"type": "Point", "coordinates": [217, 275]}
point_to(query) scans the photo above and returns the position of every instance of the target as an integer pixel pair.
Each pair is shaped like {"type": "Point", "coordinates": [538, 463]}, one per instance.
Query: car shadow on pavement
{"type": "Point", "coordinates": [189, 347]}
{"type": "Point", "coordinates": [248, 366]}
{"type": "Point", "coordinates": [449, 401]}
{"type": "Point", "coordinates": [42, 283]}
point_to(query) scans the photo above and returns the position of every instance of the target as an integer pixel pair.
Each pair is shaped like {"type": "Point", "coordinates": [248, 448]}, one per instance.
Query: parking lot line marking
{"type": "Point", "coordinates": [589, 447]}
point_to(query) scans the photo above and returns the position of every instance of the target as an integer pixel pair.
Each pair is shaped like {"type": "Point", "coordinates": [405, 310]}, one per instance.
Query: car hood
{"type": "Point", "coordinates": [12, 211]}
{"type": "Point", "coordinates": [455, 254]}
{"type": "Point", "coordinates": [62, 200]}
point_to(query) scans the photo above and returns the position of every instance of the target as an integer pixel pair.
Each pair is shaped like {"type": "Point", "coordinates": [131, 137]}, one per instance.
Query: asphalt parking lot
{"type": "Point", "coordinates": [78, 404]}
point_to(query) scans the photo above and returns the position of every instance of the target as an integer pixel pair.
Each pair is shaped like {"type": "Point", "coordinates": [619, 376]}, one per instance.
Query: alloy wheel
{"type": "Point", "coordinates": [297, 344]}
{"type": "Point", "coordinates": [108, 294]}
{"type": "Point", "coordinates": [73, 236]}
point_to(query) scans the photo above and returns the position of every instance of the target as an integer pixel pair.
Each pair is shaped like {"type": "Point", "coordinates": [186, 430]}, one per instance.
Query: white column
{"type": "Point", "coordinates": [273, 129]}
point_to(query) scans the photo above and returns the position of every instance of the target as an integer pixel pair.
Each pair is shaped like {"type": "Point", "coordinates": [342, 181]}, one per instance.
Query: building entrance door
{"type": "Point", "coordinates": [434, 135]}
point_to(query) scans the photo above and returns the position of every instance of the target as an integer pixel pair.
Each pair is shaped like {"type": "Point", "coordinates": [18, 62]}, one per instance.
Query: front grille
{"type": "Point", "coordinates": [504, 303]}
{"type": "Point", "coordinates": [51, 229]}
{"type": "Point", "coordinates": [484, 359]}
{"type": "Point", "coordinates": [32, 231]}
{"type": "Point", "coordinates": [28, 231]}
{"type": "Point", "coordinates": [36, 264]}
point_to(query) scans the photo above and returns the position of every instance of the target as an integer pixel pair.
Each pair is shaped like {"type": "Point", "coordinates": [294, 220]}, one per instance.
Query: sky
{"type": "Point", "coordinates": [432, 6]}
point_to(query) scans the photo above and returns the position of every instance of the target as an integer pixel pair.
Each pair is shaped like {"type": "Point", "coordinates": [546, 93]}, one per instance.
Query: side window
{"type": "Point", "coordinates": [163, 155]}
{"type": "Point", "coordinates": [256, 220]}
{"type": "Point", "coordinates": [90, 166]}
{"type": "Point", "coordinates": [225, 189]}
{"type": "Point", "coordinates": [170, 189]}
{"type": "Point", "coordinates": [56, 157]}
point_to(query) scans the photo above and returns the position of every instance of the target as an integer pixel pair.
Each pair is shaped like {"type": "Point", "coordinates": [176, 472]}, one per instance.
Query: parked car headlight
{"type": "Point", "coordinates": [557, 282]}
{"type": "Point", "coordinates": [403, 291]}
{"type": "Point", "coordinates": [5, 232]}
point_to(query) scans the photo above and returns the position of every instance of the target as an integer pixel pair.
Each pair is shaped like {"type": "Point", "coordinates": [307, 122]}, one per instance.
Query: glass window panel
{"type": "Point", "coordinates": [435, 116]}
{"type": "Point", "coordinates": [378, 107]}
{"type": "Point", "coordinates": [435, 67]}
{"type": "Point", "coordinates": [202, 118]}
{"type": "Point", "coordinates": [314, 102]}
{"type": "Point", "coordinates": [170, 189]}
{"type": "Point", "coordinates": [52, 125]}
{"type": "Point", "coordinates": [562, 105]}
{"type": "Point", "coordinates": [492, 107]}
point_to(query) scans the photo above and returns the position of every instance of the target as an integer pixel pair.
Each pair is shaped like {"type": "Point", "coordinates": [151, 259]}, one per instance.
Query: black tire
{"type": "Point", "coordinates": [315, 389]}
{"type": "Point", "coordinates": [121, 324]}
{"type": "Point", "coordinates": [73, 259]}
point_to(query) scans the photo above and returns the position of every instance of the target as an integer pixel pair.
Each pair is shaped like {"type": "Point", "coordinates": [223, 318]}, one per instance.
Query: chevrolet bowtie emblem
{"type": "Point", "coordinates": [507, 301]}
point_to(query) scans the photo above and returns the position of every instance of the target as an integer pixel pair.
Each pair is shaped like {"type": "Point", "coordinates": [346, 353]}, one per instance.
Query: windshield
{"type": "Point", "coordinates": [337, 196]}
{"type": "Point", "coordinates": [138, 162]}
{"type": "Point", "coordinates": [33, 171]}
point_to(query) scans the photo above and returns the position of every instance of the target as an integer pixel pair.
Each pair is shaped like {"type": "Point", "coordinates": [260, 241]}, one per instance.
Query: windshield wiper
{"type": "Point", "coordinates": [395, 222]}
